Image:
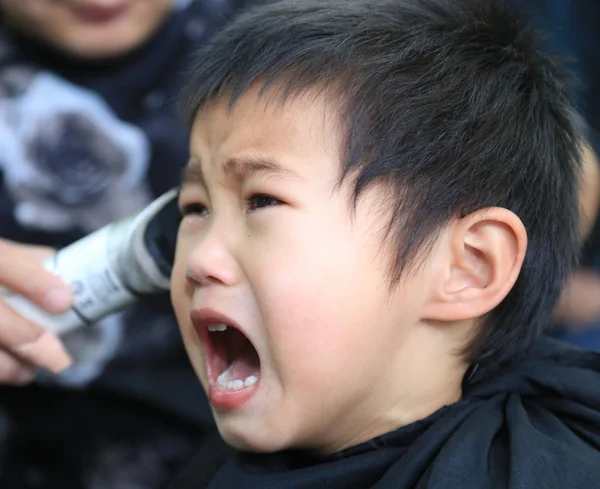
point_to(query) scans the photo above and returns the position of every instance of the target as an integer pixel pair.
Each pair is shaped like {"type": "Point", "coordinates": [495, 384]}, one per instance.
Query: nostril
{"type": "Point", "coordinates": [191, 277]}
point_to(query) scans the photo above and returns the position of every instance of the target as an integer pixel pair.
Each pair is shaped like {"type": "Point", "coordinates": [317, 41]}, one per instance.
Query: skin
{"type": "Point", "coordinates": [69, 26]}
{"type": "Point", "coordinates": [579, 305]}
{"type": "Point", "coordinates": [344, 356]}
{"type": "Point", "coordinates": [589, 193]}
{"type": "Point", "coordinates": [23, 344]}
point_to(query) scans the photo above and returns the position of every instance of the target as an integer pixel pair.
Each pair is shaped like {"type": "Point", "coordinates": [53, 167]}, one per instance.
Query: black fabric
{"type": "Point", "coordinates": [65, 440]}
{"type": "Point", "coordinates": [535, 425]}
{"type": "Point", "coordinates": [207, 461]}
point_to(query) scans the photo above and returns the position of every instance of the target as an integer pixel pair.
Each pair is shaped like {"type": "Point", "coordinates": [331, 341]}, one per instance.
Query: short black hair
{"type": "Point", "coordinates": [450, 102]}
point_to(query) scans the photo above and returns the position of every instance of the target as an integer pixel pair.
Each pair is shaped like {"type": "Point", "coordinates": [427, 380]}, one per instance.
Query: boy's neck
{"type": "Point", "coordinates": [426, 375]}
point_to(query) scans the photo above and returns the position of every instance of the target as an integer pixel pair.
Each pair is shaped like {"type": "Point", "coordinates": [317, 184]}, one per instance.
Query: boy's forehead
{"type": "Point", "coordinates": [264, 123]}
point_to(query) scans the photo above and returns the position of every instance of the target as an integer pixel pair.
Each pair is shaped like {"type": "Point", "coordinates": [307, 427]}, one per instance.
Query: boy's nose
{"type": "Point", "coordinates": [211, 262]}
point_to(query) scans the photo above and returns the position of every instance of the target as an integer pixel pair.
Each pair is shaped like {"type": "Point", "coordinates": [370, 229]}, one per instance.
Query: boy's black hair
{"type": "Point", "coordinates": [451, 103]}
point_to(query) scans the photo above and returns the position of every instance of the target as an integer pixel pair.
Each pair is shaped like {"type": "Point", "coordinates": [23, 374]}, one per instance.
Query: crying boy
{"type": "Point", "coordinates": [378, 216]}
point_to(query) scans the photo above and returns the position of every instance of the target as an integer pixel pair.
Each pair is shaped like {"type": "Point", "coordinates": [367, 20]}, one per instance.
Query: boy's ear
{"type": "Point", "coordinates": [477, 264]}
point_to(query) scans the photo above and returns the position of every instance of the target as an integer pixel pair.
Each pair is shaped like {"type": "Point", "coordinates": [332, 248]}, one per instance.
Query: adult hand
{"type": "Point", "coordinates": [23, 344]}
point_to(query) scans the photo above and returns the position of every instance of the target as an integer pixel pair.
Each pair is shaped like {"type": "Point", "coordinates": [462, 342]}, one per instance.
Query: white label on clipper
{"type": "Point", "coordinates": [86, 267]}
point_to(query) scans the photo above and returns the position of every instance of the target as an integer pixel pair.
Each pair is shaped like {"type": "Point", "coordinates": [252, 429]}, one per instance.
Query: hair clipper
{"type": "Point", "coordinates": [112, 267]}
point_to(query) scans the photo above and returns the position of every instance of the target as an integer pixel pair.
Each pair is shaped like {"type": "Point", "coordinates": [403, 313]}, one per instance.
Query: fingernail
{"type": "Point", "coordinates": [48, 352]}
{"type": "Point", "coordinates": [58, 300]}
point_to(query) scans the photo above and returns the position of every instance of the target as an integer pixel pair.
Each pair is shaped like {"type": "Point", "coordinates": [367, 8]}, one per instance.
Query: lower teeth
{"type": "Point", "coordinates": [235, 384]}
{"type": "Point", "coordinates": [225, 382]}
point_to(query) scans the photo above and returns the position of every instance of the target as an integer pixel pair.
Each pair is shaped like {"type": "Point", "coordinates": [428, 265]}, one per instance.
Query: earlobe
{"type": "Point", "coordinates": [482, 260]}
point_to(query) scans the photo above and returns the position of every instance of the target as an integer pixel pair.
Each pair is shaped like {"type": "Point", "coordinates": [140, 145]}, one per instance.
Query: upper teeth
{"type": "Point", "coordinates": [217, 327]}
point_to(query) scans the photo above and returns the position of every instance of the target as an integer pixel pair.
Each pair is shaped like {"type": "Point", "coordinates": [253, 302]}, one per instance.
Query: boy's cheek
{"type": "Point", "coordinates": [182, 303]}
{"type": "Point", "coordinates": [178, 290]}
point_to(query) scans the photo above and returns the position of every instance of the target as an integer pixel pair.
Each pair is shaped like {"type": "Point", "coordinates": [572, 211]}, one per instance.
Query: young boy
{"type": "Point", "coordinates": [378, 215]}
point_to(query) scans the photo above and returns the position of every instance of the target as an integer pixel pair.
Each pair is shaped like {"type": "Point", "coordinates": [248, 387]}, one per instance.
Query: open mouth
{"type": "Point", "coordinates": [233, 362]}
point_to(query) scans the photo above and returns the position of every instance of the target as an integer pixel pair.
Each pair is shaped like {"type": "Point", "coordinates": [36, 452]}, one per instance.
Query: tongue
{"type": "Point", "coordinates": [245, 365]}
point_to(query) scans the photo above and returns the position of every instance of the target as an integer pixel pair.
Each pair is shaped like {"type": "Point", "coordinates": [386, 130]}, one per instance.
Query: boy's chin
{"type": "Point", "coordinates": [249, 439]}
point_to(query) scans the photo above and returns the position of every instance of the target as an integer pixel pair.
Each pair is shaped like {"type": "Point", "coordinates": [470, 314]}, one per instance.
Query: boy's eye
{"type": "Point", "coordinates": [258, 201]}
{"type": "Point", "coordinates": [194, 209]}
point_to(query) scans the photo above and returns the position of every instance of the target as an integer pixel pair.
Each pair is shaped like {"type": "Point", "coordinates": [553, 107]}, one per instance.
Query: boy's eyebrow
{"type": "Point", "coordinates": [192, 174]}
{"type": "Point", "coordinates": [241, 168]}
{"type": "Point", "coordinates": [244, 167]}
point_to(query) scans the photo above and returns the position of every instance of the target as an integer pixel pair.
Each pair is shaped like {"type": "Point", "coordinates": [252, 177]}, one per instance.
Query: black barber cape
{"type": "Point", "coordinates": [535, 425]}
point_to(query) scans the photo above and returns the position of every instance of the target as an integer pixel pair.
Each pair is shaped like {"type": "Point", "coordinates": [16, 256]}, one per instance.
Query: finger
{"type": "Point", "coordinates": [36, 252]}
{"type": "Point", "coordinates": [23, 275]}
{"type": "Point", "coordinates": [31, 343]}
{"type": "Point", "coordinates": [46, 351]}
{"type": "Point", "coordinates": [14, 371]}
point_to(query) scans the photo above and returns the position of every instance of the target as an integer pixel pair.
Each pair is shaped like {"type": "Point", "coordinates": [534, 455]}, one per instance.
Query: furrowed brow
{"type": "Point", "coordinates": [243, 168]}
{"type": "Point", "coordinates": [240, 168]}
